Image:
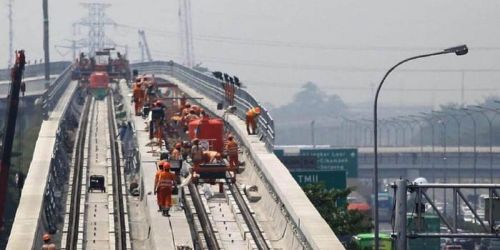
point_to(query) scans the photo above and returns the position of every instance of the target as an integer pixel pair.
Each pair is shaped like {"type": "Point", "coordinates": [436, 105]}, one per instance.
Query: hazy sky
{"type": "Point", "coordinates": [276, 46]}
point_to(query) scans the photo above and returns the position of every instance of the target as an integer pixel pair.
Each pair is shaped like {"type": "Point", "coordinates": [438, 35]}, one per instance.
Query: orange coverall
{"type": "Point", "coordinates": [232, 153]}
{"type": "Point", "coordinates": [164, 186]}
{"type": "Point", "coordinates": [138, 95]}
{"type": "Point", "coordinates": [251, 120]}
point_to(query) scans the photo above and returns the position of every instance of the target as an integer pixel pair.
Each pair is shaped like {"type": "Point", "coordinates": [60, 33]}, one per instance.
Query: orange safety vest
{"type": "Point", "coordinates": [165, 179]}
{"type": "Point", "coordinates": [251, 113]}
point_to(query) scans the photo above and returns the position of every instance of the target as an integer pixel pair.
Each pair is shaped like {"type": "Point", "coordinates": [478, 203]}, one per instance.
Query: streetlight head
{"type": "Point", "coordinates": [458, 50]}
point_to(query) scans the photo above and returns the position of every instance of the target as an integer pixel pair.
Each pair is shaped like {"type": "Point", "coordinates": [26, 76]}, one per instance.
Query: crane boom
{"type": "Point", "coordinates": [142, 36]}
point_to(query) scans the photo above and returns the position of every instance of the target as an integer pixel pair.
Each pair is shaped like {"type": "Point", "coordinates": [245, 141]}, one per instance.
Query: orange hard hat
{"type": "Point", "coordinates": [257, 110]}
{"type": "Point", "coordinates": [46, 237]}
{"type": "Point", "coordinates": [160, 163]}
{"type": "Point", "coordinates": [166, 165]}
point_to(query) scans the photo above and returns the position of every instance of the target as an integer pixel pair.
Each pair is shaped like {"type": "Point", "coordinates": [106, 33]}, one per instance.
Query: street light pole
{"type": "Point", "coordinates": [458, 141]}
{"type": "Point", "coordinates": [474, 127]}
{"type": "Point", "coordinates": [459, 50]}
{"type": "Point", "coordinates": [490, 125]}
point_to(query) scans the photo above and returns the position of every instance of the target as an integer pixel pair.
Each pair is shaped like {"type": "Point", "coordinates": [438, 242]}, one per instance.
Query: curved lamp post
{"type": "Point", "coordinates": [459, 50]}
{"type": "Point", "coordinates": [482, 110]}
{"type": "Point", "coordinates": [457, 120]}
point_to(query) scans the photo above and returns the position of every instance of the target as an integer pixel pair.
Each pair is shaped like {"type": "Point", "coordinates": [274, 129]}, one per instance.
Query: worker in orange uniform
{"type": "Point", "coordinates": [138, 97]}
{"type": "Point", "coordinates": [47, 244]}
{"type": "Point", "coordinates": [176, 152]}
{"type": "Point", "coordinates": [196, 153]}
{"type": "Point", "coordinates": [251, 120]}
{"type": "Point", "coordinates": [157, 175]}
{"type": "Point", "coordinates": [232, 152]}
{"type": "Point", "coordinates": [164, 186]}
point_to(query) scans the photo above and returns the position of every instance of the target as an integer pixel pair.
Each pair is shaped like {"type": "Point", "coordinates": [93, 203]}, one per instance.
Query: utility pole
{"type": "Point", "coordinates": [11, 33]}
{"type": "Point", "coordinates": [312, 135]}
{"type": "Point", "coordinates": [46, 41]}
{"type": "Point", "coordinates": [186, 37]}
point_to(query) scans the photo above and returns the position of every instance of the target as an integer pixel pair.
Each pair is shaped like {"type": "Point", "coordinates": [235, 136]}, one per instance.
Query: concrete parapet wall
{"type": "Point", "coordinates": [36, 212]}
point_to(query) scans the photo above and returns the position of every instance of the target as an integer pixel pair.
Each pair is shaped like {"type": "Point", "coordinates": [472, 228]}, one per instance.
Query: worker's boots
{"type": "Point", "coordinates": [165, 212]}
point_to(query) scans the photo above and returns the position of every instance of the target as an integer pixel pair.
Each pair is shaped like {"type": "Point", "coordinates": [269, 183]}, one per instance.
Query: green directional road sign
{"type": "Point", "coordinates": [335, 159]}
{"type": "Point", "coordinates": [332, 178]}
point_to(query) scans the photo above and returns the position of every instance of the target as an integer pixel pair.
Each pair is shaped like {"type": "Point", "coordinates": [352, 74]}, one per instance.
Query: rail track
{"type": "Point", "coordinates": [226, 221]}
{"type": "Point", "coordinates": [96, 219]}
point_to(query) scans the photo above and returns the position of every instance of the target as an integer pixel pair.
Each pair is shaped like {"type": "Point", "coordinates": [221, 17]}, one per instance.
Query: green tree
{"type": "Point", "coordinates": [335, 213]}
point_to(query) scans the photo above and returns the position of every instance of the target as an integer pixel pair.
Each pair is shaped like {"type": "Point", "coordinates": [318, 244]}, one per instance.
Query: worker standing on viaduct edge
{"type": "Point", "coordinates": [251, 120]}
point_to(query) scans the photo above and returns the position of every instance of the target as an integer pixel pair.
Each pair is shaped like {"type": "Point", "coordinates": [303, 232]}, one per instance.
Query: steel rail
{"type": "Point", "coordinates": [206, 225]}
{"type": "Point", "coordinates": [257, 235]}
{"type": "Point", "coordinates": [72, 237]}
{"type": "Point", "coordinates": [117, 183]}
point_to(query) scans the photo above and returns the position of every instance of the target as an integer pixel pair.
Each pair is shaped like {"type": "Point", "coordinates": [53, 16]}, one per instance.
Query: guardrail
{"type": "Point", "coordinates": [37, 70]}
{"type": "Point", "coordinates": [213, 88]}
{"type": "Point", "coordinates": [55, 90]}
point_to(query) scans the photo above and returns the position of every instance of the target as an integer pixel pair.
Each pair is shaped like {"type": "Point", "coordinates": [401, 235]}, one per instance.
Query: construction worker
{"type": "Point", "coordinates": [196, 153]}
{"type": "Point", "coordinates": [231, 148]}
{"type": "Point", "coordinates": [157, 175]}
{"type": "Point", "coordinates": [251, 120]}
{"type": "Point", "coordinates": [47, 245]}
{"type": "Point", "coordinates": [211, 157]}
{"type": "Point", "coordinates": [176, 152]}
{"type": "Point", "coordinates": [138, 97]}
{"type": "Point", "coordinates": [164, 187]}
{"type": "Point", "coordinates": [183, 101]}
{"type": "Point", "coordinates": [156, 124]}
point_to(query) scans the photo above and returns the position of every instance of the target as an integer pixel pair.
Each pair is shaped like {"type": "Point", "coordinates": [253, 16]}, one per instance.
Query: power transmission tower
{"type": "Point", "coordinates": [96, 22]}
{"type": "Point", "coordinates": [186, 36]}
{"type": "Point", "coordinates": [11, 34]}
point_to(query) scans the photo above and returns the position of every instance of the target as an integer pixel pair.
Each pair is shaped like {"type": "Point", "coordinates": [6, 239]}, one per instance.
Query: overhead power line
{"type": "Point", "coordinates": [300, 45]}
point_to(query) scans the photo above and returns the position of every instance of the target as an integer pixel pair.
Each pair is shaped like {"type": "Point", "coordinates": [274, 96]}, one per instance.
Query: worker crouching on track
{"type": "Point", "coordinates": [138, 97]}
{"type": "Point", "coordinates": [231, 148]}
{"type": "Point", "coordinates": [47, 244]}
{"type": "Point", "coordinates": [251, 120]}
{"type": "Point", "coordinates": [211, 157]}
{"type": "Point", "coordinates": [163, 189]}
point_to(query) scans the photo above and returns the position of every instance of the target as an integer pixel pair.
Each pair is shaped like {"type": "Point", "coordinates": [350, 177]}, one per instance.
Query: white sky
{"type": "Point", "coordinates": [276, 46]}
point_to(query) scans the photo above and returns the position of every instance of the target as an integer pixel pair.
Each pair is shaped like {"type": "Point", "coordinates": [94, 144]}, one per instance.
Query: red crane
{"type": "Point", "coordinates": [10, 127]}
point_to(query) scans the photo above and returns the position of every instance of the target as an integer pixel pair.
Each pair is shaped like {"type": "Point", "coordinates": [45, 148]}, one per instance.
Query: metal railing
{"type": "Point", "coordinates": [55, 89]}
{"type": "Point", "coordinates": [213, 88]}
